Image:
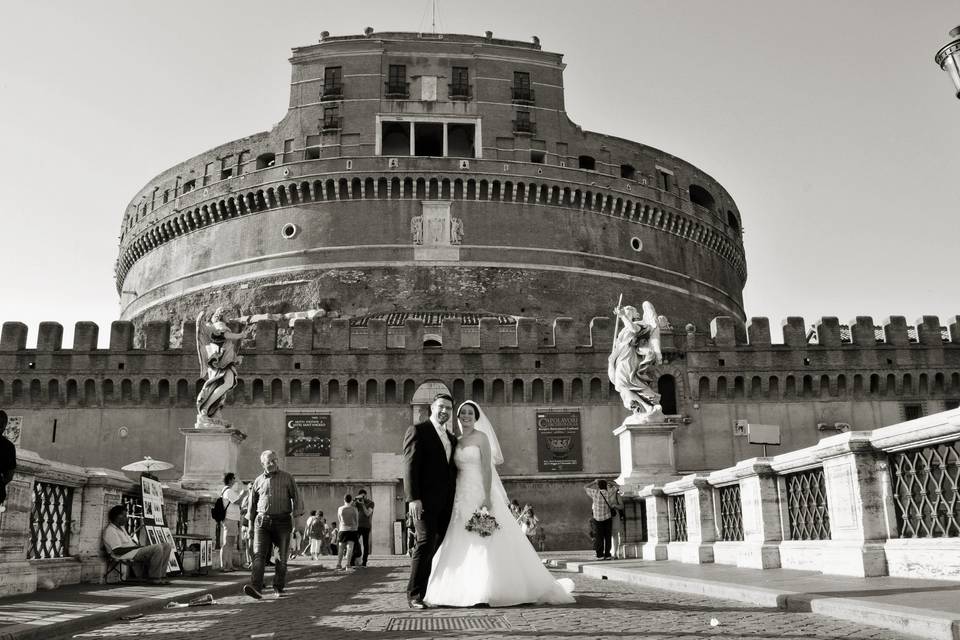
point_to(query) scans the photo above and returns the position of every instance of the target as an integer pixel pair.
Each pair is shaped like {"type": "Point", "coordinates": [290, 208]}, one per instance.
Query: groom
{"type": "Point", "coordinates": [429, 480]}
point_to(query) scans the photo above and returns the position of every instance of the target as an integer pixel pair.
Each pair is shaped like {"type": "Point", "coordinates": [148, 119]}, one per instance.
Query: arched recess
{"type": "Point", "coordinates": [667, 388]}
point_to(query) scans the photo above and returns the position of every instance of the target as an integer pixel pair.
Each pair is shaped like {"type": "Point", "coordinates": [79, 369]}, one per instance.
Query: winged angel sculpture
{"type": "Point", "coordinates": [636, 351]}
{"type": "Point", "coordinates": [218, 350]}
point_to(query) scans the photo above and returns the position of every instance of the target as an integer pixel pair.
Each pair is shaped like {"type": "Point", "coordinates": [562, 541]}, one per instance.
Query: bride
{"type": "Point", "coordinates": [501, 569]}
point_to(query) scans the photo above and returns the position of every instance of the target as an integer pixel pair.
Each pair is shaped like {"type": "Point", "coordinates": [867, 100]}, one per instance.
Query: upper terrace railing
{"type": "Point", "coordinates": [55, 514]}
{"type": "Point", "coordinates": [426, 178]}
{"type": "Point", "coordinates": [882, 502]}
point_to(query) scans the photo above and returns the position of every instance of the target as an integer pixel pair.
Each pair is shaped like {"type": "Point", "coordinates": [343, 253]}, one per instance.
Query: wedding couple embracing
{"type": "Point", "coordinates": [461, 558]}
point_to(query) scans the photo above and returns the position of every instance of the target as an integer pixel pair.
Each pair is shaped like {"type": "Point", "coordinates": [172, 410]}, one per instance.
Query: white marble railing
{"type": "Point", "coordinates": [95, 491]}
{"type": "Point", "coordinates": [865, 514]}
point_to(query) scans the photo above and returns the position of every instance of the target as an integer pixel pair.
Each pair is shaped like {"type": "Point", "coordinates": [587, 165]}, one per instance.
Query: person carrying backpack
{"type": "Point", "coordinates": [314, 532]}
{"type": "Point", "coordinates": [228, 505]}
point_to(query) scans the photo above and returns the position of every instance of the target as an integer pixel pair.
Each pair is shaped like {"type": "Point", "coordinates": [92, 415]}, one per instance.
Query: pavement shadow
{"type": "Point", "coordinates": [585, 599]}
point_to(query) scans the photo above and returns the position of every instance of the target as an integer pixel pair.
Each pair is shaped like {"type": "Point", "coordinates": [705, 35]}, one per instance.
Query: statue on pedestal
{"type": "Point", "coordinates": [218, 350]}
{"type": "Point", "coordinates": [636, 351]}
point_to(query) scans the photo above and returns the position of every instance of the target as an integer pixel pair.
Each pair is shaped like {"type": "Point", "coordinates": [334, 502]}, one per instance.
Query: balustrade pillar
{"type": "Point", "coordinates": [17, 575]}
{"type": "Point", "coordinates": [855, 477]}
{"type": "Point", "coordinates": [103, 490]}
{"type": "Point", "coordinates": [698, 512]}
{"type": "Point", "coordinates": [658, 523]}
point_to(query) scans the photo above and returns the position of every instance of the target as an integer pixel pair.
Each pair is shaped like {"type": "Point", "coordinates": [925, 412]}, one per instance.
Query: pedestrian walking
{"type": "Point", "coordinates": [347, 521]}
{"type": "Point", "coordinates": [364, 522]}
{"type": "Point", "coordinates": [313, 532]}
{"type": "Point", "coordinates": [274, 503]}
{"type": "Point", "coordinates": [530, 525]}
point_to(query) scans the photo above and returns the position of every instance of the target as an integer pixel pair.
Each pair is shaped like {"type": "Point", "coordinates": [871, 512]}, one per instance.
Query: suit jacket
{"type": "Point", "coordinates": [427, 474]}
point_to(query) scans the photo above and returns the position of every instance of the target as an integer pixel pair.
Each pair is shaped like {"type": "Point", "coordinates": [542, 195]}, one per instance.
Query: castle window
{"type": "Point", "coordinates": [667, 388]}
{"type": "Point", "coordinates": [587, 162]}
{"type": "Point", "coordinates": [522, 124]}
{"type": "Point", "coordinates": [912, 411]}
{"type": "Point", "coordinates": [332, 83]}
{"type": "Point", "coordinates": [459, 88]}
{"type": "Point", "coordinates": [628, 171]}
{"type": "Point", "coordinates": [189, 186]}
{"type": "Point", "coordinates": [331, 118]}
{"type": "Point", "coordinates": [521, 87]}
{"type": "Point", "coordinates": [265, 160]}
{"type": "Point", "coordinates": [226, 171]}
{"type": "Point", "coordinates": [665, 179]}
{"type": "Point", "coordinates": [538, 157]}
{"type": "Point", "coordinates": [397, 87]}
{"type": "Point", "coordinates": [428, 139]}
{"type": "Point", "coordinates": [288, 155]}
{"type": "Point", "coordinates": [460, 143]}
{"type": "Point", "coordinates": [166, 196]}
{"type": "Point", "coordinates": [312, 152]}
{"type": "Point", "coordinates": [701, 197]}
{"type": "Point", "coordinates": [396, 138]}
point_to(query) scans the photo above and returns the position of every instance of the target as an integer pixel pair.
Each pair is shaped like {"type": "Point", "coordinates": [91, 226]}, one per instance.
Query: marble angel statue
{"type": "Point", "coordinates": [636, 350]}
{"type": "Point", "coordinates": [217, 348]}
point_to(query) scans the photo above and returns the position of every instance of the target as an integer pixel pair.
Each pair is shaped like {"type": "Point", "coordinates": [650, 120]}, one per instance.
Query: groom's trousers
{"type": "Point", "coordinates": [430, 531]}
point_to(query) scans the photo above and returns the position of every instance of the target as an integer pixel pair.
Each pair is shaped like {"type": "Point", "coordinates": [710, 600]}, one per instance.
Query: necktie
{"type": "Point", "coordinates": [445, 440]}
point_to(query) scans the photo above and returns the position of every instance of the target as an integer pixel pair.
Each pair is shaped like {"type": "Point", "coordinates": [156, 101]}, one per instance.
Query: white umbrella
{"type": "Point", "coordinates": [148, 464]}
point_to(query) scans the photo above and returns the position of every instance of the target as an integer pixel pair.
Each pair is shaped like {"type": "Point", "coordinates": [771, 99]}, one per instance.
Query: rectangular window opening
{"type": "Point", "coordinates": [538, 157]}
{"type": "Point", "coordinates": [460, 140]}
{"type": "Point", "coordinates": [397, 81]}
{"type": "Point", "coordinates": [312, 152]}
{"type": "Point", "coordinates": [428, 139]}
{"type": "Point", "coordinates": [395, 138]}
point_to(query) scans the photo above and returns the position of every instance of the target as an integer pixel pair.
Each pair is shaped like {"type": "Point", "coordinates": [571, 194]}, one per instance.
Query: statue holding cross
{"type": "Point", "coordinates": [635, 352]}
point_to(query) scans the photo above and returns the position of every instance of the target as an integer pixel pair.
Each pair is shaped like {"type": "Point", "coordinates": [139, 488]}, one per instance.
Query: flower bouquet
{"type": "Point", "coordinates": [482, 523]}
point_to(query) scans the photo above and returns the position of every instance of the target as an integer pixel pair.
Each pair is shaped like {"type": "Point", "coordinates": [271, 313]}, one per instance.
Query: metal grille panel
{"type": "Point", "coordinates": [925, 483]}
{"type": "Point", "coordinates": [731, 515]}
{"type": "Point", "coordinates": [807, 505]}
{"type": "Point", "coordinates": [457, 623]}
{"type": "Point", "coordinates": [50, 521]}
{"type": "Point", "coordinates": [679, 529]}
{"type": "Point", "coordinates": [183, 518]}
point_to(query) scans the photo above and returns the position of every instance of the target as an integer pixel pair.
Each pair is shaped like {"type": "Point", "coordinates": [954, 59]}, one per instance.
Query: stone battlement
{"type": "Point", "coordinates": [491, 334]}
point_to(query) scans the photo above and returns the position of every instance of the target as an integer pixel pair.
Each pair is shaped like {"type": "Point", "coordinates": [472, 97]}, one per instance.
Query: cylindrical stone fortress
{"type": "Point", "coordinates": [421, 172]}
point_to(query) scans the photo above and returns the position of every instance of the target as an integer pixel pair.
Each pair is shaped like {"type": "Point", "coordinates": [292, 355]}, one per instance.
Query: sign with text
{"type": "Point", "coordinates": [558, 441]}
{"type": "Point", "coordinates": [308, 434]}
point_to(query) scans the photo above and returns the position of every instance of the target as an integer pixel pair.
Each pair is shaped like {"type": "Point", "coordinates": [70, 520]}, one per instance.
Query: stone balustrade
{"type": "Point", "coordinates": [861, 503]}
{"type": "Point", "coordinates": [50, 533]}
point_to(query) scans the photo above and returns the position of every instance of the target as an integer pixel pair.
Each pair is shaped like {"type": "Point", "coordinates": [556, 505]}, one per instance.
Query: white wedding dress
{"type": "Point", "coordinates": [501, 569]}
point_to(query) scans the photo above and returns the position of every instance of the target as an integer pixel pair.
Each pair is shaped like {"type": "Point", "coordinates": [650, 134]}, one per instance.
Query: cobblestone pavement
{"type": "Point", "coordinates": [369, 604]}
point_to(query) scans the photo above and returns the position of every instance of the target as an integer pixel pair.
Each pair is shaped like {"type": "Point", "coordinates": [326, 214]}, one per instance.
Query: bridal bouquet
{"type": "Point", "coordinates": [482, 523]}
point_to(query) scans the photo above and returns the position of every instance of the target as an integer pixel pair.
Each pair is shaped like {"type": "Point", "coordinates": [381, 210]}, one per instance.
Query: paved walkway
{"type": "Point", "coordinates": [369, 604]}
{"type": "Point", "coordinates": [620, 599]}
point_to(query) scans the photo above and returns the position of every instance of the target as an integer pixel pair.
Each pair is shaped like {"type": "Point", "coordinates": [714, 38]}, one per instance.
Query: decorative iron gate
{"type": "Point", "coordinates": [50, 521]}
{"type": "Point", "coordinates": [731, 517]}
{"type": "Point", "coordinates": [678, 533]}
{"type": "Point", "coordinates": [925, 490]}
{"type": "Point", "coordinates": [807, 505]}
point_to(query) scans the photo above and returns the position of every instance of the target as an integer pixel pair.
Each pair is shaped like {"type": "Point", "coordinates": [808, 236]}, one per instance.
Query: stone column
{"type": "Point", "coordinates": [854, 474]}
{"type": "Point", "coordinates": [208, 454]}
{"type": "Point", "coordinates": [647, 455]}
{"type": "Point", "coordinates": [701, 528]}
{"type": "Point", "coordinates": [658, 523]}
{"type": "Point", "coordinates": [103, 490]}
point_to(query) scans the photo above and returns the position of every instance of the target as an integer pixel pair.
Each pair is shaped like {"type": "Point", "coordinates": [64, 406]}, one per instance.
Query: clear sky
{"type": "Point", "coordinates": [827, 121]}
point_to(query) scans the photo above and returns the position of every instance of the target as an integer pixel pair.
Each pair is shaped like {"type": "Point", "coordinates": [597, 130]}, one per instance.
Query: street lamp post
{"type": "Point", "coordinates": [948, 58]}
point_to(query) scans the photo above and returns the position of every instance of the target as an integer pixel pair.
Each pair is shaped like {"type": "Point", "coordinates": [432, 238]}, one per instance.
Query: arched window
{"type": "Point", "coordinates": [476, 390]}
{"type": "Point", "coordinates": [409, 388]}
{"type": "Point", "coordinates": [517, 392]}
{"type": "Point", "coordinates": [499, 392]}
{"type": "Point", "coordinates": [576, 390]}
{"type": "Point", "coordinates": [390, 391]}
{"type": "Point", "coordinates": [296, 392]}
{"type": "Point", "coordinates": [774, 391]}
{"type": "Point", "coordinates": [703, 388]}
{"type": "Point", "coordinates": [371, 392]}
{"type": "Point", "coordinates": [459, 391]}
{"type": "Point", "coordinates": [353, 391]}
{"type": "Point", "coordinates": [36, 391]}
{"type": "Point", "coordinates": [732, 221]}
{"type": "Point", "coordinates": [756, 387]}
{"type": "Point", "coordinates": [258, 391]}
{"type": "Point", "coordinates": [183, 391]}
{"type": "Point", "coordinates": [667, 388]}
{"type": "Point", "coordinates": [556, 390]}
{"type": "Point", "coordinates": [596, 389]}
{"type": "Point", "coordinates": [276, 391]}
{"type": "Point", "coordinates": [265, 160]}
{"type": "Point", "coordinates": [333, 392]}
{"type": "Point", "coordinates": [538, 390]}
{"type": "Point", "coordinates": [163, 390]}
{"type": "Point", "coordinates": [144, 391]}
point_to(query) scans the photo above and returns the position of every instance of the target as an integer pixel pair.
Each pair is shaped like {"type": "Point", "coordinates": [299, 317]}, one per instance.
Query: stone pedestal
{"type": "Point", "coordinates": [647, 455]}
{"type": "Point", "coordinates": [208, 454]}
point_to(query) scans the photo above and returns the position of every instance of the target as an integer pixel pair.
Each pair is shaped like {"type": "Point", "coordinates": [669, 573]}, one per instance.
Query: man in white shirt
{"type": "Point", "coordinates": [121, 546]}
{"type": "Point", "coordinates": [232, 493]}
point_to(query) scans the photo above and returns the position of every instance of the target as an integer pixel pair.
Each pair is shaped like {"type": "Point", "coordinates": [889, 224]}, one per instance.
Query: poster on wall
{"type": "Point", "coordinates": [13, 429]}
{"type": "Point", "coordinates": [308, 435]}
{"type": "Point", "coordinates": [558, 441]}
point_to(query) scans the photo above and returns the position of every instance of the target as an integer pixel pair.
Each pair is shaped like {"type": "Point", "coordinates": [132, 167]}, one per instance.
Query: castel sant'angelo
{"type": "Point", "coordinates": [426, 215]}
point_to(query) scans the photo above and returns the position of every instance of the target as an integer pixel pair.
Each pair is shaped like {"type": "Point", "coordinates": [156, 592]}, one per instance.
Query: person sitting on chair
{"type": "Point", "coordinates": [121, 546]}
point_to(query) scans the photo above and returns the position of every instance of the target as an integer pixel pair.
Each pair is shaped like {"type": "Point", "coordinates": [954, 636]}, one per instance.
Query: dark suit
{"type": "Point", "coordinates": [430, 477]}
